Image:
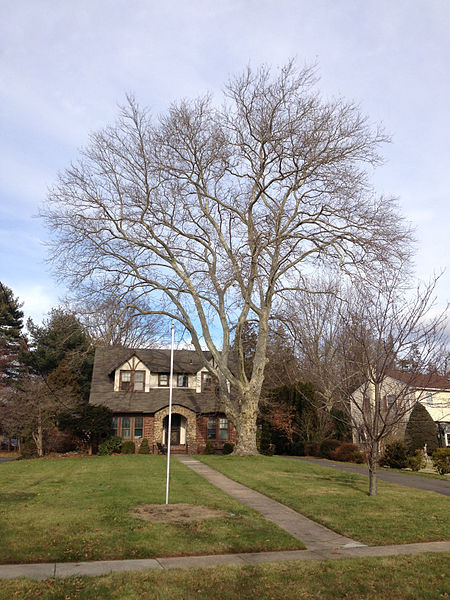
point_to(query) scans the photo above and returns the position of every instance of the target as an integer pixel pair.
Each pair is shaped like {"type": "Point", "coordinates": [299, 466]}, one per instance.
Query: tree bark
{"type": "Point", "coordinates": [37, 438]}
{"type": "Point", "coordinates": [246, 426]}
{"type": "Point", "coordinates": [373, 467]}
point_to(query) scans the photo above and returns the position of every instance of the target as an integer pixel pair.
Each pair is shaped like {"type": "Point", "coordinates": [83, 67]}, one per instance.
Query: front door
{"type": "Point", "coordinates": [175, 429]}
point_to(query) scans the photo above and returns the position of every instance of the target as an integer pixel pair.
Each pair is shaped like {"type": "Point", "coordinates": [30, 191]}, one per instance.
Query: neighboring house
{"type": "Point", "coordinates": [405, 389]}
{"type": "Point", "coordinates": [134, 384]}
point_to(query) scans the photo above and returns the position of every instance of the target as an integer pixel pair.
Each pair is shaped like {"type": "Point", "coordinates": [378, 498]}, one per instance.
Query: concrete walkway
{"type": "Point", "coordinates": [314, 536]}
{"type": "Point", "coordinates": [321, 543]}
{"type": "Point", "coordinates": [103, 567]}
{"type": "Point", "coordinates": [414, 481]}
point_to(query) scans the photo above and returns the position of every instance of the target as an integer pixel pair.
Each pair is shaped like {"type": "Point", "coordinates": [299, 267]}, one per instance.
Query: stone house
{"type": "Point", "coordinates": [134, 384]}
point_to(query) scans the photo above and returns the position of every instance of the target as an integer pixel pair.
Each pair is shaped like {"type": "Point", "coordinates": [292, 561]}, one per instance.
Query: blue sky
{"type": "Point", "coordinates": [64, 67]}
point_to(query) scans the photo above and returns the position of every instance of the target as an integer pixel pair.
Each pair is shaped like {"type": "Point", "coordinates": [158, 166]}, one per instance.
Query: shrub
{"type": "Point", "coordinates": [312, 449]}
{"type": "Point", "coordinates": [327, 447]}
{"type": "Point", "coordinates": [416, 461]}
{"type": "Point", "coordinates": [358, 457]}
{"type": "Point", "coordinates": [110, 446]}
{"type": "Point", "coordinates": [298, 449]}
{"type": "Point", "coordinates": [441, 460]}
{"type": "Point", "coordinates": [228, 448]}
{"type": "Point", "coordinates": [128, 447]}
{"type": "Point", "coordinates": [421, 430]}
{"type": "Point", "coordinates": [28, 449]}
{"type": "Point", "coordinates": [269, 450]}
{"type": "Point", "coordinates": [395, 456]}
{"type": "Point", "coordinates": [346, 452]}
{"type": "Point", "coordinates": [144, 448]}
{"type": "Point", "coordinates": [209, 448]}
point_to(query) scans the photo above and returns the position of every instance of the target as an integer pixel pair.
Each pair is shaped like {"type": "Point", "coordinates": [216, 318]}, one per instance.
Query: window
{"type": "Point", "coordinates": [126, 430]}
{"type": "Point", "coordinates": [429, 399]}
{"type": "Point", "coordinates": [139, 381]}
{"type": "Point", "coordinates": [138, 426]}
{"type": "Point", "coordinates": [207, 382]}
{"type": "Point", "coordinates": [132, 381]}
{"type": "Point", "coordinates": [447, 439]}
{"type": "Point", "coordinates": [366, 404]}
{"type": "Point", "coordinates": [218, 429]}
{"type": "Point", "coordinates": [223, 429]}
{"type": "Point", "coordinates": [128, 427]}
{"type": "Point", "coordinates": [212, 428]}
{"type": "Point", "coordinates": [182, 381]}
{"type": "Point", "coordinates": [390, 400]}
{"type": "Point", "coordinates": [163, 380]}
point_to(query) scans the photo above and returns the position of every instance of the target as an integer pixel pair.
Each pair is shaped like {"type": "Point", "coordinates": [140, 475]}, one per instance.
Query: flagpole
{"type": "Point", "coordinates": [169, 428]}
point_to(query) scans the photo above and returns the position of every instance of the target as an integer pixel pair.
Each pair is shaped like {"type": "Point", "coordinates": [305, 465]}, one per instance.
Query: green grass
{"type": "Point", "coordinates": [78, 509]}
{"type": "Point", "coordinates": [423, 577]}
{"type": "Point", "coordinates": [428, 474]}
{"type": "Point", "coordinates": [339, 500]}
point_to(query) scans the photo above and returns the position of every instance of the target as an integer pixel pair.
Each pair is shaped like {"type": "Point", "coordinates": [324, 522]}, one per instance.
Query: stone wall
{"type": "Point", "coordinates": [191, 426]}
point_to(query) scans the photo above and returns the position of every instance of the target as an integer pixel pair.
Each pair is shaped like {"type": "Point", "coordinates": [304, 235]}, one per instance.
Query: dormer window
{"type": "Point", "coordinates": [182, 380]}
{"type": "Point", "coordinates": [207, 382]}
{"type": "Point", "coordinates": [163, 380]}
{"type": "Point", "coordinates": [132, 381]}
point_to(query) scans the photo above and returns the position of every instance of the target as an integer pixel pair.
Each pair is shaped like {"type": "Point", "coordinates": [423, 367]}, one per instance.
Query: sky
{"type": "Point", "coordinates": [66, 66]}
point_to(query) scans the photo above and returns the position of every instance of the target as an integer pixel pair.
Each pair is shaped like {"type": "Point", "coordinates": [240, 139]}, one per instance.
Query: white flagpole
{"type": "Point", "coordinates": [169, 428]}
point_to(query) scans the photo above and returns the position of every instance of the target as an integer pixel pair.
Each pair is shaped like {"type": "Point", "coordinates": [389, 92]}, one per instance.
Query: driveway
{"type": "Point", "coordinates": [3, 459]}
{"type": "Point", "coordinates": [414, 481]}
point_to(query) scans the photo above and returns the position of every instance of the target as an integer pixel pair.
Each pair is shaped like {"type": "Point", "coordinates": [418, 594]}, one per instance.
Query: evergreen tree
{"type": "Point", "coordinates": [90, 424]}
{"type": "Point", "coordinates": [61, 350]}
{"type": "Point", "coordinates": [421, 430]}
{"type": "Point", "coordinates": [59, 362]}
{"type": "Point", "coordinates": [11, 337]}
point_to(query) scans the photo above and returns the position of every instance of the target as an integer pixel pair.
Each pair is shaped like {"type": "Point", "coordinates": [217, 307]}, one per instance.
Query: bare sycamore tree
{"type": "Point", "coordinates": [112, 320]}
{"type": "Point", "coordinates": [353, 341]}
{"type": "Point", "coordinates": [213, 211]}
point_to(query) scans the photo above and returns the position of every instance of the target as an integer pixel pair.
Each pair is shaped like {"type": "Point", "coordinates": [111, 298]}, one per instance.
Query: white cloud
{"type": "Point", "coordinates": [37, 300]}
{"type": "Point", "coordinates": [64, 66]}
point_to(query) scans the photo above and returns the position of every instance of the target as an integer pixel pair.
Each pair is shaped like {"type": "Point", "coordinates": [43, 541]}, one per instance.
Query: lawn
{"type": "Point", "coordinates": [422, 577]}
{"type": "Point", "coordinates": [339, 499]}
{"type": "Point", "coordinates": [78, 509]}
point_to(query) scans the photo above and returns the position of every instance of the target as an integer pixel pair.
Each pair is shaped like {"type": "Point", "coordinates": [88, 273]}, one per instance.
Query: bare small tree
{"type": "Point", "coordinates": [357, 338]}
{"type": "Point", "coordinates": [211, 213]}
{"type": "Point", "coordinates": [31, 409]}
{"type": "Point", "coordinates": [388, 324]}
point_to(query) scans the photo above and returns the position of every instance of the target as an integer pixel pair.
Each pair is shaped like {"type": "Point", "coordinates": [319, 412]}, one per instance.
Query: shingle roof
{"type": "Point", "coordinates": [423, 380]}
{"type": "Point", "coordinates": [155, 399]}
{"type": "Point", "coordinates": [158, 361]}
{"type": "Point", "coordinates": [108, 359]}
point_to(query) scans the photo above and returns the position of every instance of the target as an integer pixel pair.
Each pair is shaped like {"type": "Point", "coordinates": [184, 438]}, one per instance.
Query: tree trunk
{"type": "Point", "coordinates": [373, 467]}
{"type": "Point", "coordinates": [245, 426]}
{"type": "Point", "coordinates": [37, 438]}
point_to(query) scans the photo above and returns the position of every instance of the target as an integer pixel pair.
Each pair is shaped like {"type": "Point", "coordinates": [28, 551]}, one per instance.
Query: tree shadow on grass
{"type": "Point", "coordinates": [346, 480]}
{"type": "Point", "coordinates": [13, 497]}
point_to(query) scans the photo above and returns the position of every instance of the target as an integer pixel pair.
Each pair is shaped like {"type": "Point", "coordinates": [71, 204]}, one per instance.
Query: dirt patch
{"type": "Point", "coordinates": [176, 513]}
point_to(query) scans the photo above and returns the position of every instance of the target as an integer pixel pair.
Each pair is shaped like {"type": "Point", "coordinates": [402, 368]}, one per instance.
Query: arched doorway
{"type": "Point", "coordinates": [178, 430]}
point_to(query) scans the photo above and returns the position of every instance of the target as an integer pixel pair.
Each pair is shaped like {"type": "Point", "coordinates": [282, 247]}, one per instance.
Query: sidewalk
{"type": "Point", "coordinates": [103, 567]}
{"type": "Point", "coordinates": [315, 537]}
{"type": "Point", "coordinates": [321, 543]}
